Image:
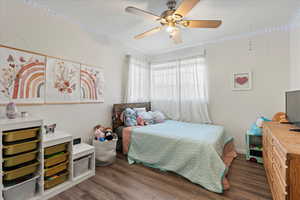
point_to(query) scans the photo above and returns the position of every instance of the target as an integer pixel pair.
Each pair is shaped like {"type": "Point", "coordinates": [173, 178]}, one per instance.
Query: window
{"type": "Point", "coordinates": [179, 88]}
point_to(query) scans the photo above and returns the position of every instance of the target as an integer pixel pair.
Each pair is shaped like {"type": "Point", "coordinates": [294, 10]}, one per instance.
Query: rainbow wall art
{"type": "Point", "coordinates": [22, 77]}
{"type": "Point", "coordinates": [92, 84]}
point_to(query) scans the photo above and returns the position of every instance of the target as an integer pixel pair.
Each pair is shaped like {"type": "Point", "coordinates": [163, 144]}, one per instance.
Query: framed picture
{"type": "Point", "coordinates": [92, 84]}
{"type": "Point", "coordinates": [62, 81]}
{"type": "Point", "coordinates": [242, 81]}
{"type": "Point", "coordinates": [27, 77]}
{"type": "Point", "coordinates": [22, 76]}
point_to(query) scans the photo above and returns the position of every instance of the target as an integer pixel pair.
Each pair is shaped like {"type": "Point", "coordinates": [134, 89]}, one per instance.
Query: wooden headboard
{"type": "Point", "coordinates": [119, 108]}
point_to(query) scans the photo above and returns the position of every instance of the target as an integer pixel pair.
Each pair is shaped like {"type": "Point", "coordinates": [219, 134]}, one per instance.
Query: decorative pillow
{"type": "Point", "coordinates": [139, 110]}
{"type": "Point", "coordinates": [140, 121]}
{"type": "Point", "coordinates": [158, 117]}
{"type": "Point", "coordinates": [147, 117]}
{"type": "Point", "coordinates": [129, 117]}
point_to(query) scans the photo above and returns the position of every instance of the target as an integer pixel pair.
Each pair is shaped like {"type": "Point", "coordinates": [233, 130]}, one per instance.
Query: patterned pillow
{"type": "Point", "coordinates": [158, 117]}
{"type": "Point", "coordinates": [129, 117]}
{"type": "Point", "coordinates": [147, 117]}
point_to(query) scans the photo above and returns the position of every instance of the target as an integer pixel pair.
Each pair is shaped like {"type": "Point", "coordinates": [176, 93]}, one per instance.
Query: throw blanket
{"type": "Point", "coordinates": [194, 151]}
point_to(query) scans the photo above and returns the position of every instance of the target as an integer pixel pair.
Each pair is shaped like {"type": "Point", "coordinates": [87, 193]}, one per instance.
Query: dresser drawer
{"type": "Point", "coordinates": [267, 146]}
{"type": "Point", "coordinates": [278, 189]}
{"type": "Point", "coordinates": [279, 196]}
{"type": "Point", "coordinates": [280, 163]}
{"type": "Point", "coordinates": [281, 152]}
{"type": "Point", "coordinates": [279, 184]}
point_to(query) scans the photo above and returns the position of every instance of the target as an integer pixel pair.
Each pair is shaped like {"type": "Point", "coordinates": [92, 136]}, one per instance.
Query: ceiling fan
{"type": "Point", "coordinates": [172, 19]}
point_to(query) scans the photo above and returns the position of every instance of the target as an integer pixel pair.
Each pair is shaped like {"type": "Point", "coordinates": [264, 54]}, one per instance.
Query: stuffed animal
{"type": "Point", "coordinates": [108, 134]}
{"type": "Point", "coordinates": [280, 117]}
{"type": "Point", "coordinates": [140, 121]}
{"type": "Point", "coordinates": [129, 116]}
{"type": "Point", "coordinates": [99, 133]}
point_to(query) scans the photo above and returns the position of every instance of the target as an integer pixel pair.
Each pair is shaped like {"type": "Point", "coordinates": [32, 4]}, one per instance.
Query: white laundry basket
{"type": "Point", "coordinates": [105, 151]}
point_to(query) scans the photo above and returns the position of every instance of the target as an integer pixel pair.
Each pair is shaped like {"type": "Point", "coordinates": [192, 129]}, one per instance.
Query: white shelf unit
{"type": "Point", "coordinates": [21, 123]}
{"type": "Point", "coordinates": [52, 139]}
{"type": "Point", "coordinates": [48, 140]}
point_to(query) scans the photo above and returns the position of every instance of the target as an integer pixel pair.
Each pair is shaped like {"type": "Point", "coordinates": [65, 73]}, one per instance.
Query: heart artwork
{"type": "Point", "coordinates": [241, 80]}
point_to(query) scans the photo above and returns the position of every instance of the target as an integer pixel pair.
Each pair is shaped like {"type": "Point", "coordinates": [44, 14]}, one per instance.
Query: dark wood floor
{"type": "Point", "coordinates": [122, 181]}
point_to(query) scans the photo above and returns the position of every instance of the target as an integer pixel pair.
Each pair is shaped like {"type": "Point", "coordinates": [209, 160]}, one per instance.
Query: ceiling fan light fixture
{"type": "Point", "coordinates": [171, 29]}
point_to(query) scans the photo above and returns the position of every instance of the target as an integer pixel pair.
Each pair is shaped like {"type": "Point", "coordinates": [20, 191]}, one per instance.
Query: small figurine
{"type": "Point", "coordinates": [50, 128]}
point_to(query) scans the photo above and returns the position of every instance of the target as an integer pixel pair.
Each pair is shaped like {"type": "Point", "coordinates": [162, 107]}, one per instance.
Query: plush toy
{"type": "Point", "coordinates": [280, 116]}
{"type": "Point", "coordinates": [108, 134]}
{"type": "Point", "coordinates": [99, 133]}
{"type": "Point", "coordinates": [140, 121]}
{"type": "Point", "coordinates": [129, 116]}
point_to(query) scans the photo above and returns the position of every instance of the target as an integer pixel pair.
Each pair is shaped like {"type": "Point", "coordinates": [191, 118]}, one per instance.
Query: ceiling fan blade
{"type": "Point", "coordinates": [150, 32]}
{"type": "Point", "coordinates": [176, 36]}
{"type": "Point", "coordinates": [185, 7]}
{"type": "Point", "coordinates": [142, 13]}
{"type": "Point", "coordinates": [202, 23]}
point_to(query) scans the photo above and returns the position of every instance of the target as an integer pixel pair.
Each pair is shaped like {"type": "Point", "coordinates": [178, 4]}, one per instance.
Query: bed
{"type": "Point", "coordinates": [199, 152]}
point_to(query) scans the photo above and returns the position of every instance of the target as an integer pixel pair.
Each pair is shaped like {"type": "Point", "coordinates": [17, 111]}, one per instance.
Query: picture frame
{"type": "Point", "coordinates": [22, 76]}
{"type": "Point", "coordinates": [62, 81]}
{"type": "Point", "coordinates": [92, 84]}
{"type": "Point", "coordinates": [242, 81]}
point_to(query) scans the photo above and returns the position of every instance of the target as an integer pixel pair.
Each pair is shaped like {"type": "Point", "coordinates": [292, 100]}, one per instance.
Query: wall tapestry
{"type": "Point", "coordinates": [92, 84]}
{"type": "Point", "coordinates": [62, 81]}
{"type": "Point", "coordinates": [22, 77]}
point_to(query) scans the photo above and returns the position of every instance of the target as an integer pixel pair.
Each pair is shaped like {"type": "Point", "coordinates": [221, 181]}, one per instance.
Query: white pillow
{"type": "Point", "coordinates": [147, 117]}
{"type": "Point", "coordinates": [139, 110]}
{"type": "Point", "coordinates": [158, 117]}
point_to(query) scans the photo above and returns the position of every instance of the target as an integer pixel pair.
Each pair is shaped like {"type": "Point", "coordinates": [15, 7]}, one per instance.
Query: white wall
{"type": "Point", "coordinates": [269, 62]}
{"type": "Point", "coordinates": [295, 58]}
{"type": "Point", "coordinates": [32, 29]}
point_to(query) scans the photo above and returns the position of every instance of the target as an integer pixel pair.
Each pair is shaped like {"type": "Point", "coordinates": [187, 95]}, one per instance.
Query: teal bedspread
{"type": "Point", "coordinates": [191, 150]}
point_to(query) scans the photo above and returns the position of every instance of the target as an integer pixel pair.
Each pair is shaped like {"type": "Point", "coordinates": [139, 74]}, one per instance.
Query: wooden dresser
{"type": "Point", "coordinates": [281, 153]}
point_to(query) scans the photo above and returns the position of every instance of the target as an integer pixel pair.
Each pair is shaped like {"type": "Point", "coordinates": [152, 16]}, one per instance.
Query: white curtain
{"type": "Point", "coordinates": [138, 86]}
{"type": "Point", "coordinates": [164, 88]}
{"type": "Point", "coordinates": [179, 89]}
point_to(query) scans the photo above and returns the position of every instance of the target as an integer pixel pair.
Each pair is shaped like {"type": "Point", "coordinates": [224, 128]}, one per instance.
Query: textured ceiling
{"type": "Point", "coordinates": [107, 17]}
